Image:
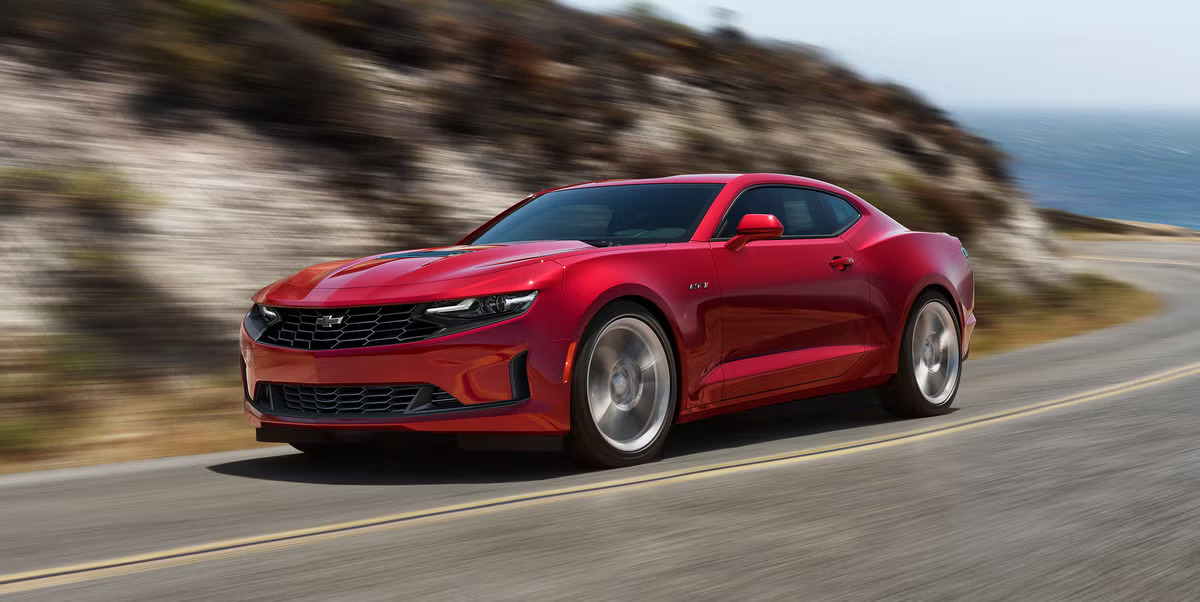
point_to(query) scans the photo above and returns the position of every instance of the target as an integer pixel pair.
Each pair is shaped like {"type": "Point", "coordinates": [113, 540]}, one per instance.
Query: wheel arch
{"type": "Point", "coordinates": [942, 290]}
{"type": "Point", "coordinates": [929, 283]}
{"type": "Point", "coordinates": [635, 293]}
{"type": "Point", "coordinates": [657, 312]}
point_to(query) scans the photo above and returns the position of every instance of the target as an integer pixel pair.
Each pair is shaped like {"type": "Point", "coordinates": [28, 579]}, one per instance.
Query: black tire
{"type": "Point", "coordinates": [902, 396]}
{"type": "Point", "coordinates": [585, 443]}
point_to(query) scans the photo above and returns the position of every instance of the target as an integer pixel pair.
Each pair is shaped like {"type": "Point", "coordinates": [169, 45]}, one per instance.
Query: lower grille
{"type": "Point", "coordinates": [349, 401]}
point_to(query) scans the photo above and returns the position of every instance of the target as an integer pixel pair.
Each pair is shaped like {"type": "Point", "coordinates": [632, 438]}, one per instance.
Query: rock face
{"type": "Point", "coordinates": [198, 188]}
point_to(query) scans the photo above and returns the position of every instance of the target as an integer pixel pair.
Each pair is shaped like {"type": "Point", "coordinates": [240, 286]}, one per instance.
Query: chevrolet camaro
{"type": "Point", "coordinates": [601, 314]}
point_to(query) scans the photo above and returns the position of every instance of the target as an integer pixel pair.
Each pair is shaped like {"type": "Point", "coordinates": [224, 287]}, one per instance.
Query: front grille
{"type": "Point", "coordinates": [354, 401]}
{"type": "Point", "coordinates": [345, 328]}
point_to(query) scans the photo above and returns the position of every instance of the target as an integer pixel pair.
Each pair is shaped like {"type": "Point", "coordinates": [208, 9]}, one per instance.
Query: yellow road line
{"type": "Point", "coordinates": [39, 579]}
{"type": "Point", "coordinates": [1140, 260]}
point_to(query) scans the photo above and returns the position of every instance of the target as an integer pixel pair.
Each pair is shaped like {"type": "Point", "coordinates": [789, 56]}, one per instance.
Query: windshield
{"type": "Point", "coordinates": [608, 215]}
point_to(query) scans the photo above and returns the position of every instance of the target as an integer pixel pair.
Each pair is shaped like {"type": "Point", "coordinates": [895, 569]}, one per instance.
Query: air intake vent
{"type": "Point", "coordinates": [351, 401]}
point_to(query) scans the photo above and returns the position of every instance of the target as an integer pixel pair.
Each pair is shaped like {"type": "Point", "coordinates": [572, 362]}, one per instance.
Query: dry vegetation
{"type": "Point", "coordinates": [114, 421]}
{"type": "Point", "coordinates": [1092, 302]}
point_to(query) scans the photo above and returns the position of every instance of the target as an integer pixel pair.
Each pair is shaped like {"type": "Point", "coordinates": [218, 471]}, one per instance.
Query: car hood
{"type": "Point", "coordinates": [428, 265]}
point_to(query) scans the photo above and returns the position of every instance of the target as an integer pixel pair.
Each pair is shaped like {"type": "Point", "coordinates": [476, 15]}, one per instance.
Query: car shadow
{"type": "Point", "coordinates": [777, 422]}
{"type": "Point", "coordinates": [446, 463]}
{"type": "Point", "coordinates": [428, 464]}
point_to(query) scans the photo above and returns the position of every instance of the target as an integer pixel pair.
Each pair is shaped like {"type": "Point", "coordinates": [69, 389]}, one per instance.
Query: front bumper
{"type": "Point", "coordinates": [475, 367]}
{"type": "Point", "coordinates": [968, 331]}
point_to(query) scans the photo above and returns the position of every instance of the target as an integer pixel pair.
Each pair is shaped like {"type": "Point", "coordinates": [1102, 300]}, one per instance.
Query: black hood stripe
{"type": "Point", "coordinates": [415, 254]}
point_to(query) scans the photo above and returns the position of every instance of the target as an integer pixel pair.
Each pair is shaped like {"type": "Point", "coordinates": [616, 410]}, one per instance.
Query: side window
{"type": "Point", "coordinates": [840, 211]}
{"type": "Point", "coordinates": [801, 215]}
{"type": "Point", "coordinates": [801, 212]}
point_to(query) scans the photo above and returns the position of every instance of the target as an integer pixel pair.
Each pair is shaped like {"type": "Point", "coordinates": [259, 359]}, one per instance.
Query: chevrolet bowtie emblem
{"type": "Point", "coordinates": [330, 321]}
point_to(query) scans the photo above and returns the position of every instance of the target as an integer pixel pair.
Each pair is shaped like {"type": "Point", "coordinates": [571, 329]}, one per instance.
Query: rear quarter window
{"type": "Point", "coordinates": [841, 212]}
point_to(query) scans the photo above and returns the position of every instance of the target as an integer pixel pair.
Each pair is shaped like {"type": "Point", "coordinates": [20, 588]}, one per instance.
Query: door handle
{"type": "Point", "coordinates": [841, 264]}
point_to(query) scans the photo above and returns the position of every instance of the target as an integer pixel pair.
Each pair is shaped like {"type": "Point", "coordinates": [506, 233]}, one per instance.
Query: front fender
{"type": "Point", "coordinates": [679, 280]}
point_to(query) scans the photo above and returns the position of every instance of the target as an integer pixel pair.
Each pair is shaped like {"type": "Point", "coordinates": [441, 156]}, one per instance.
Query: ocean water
{"type": "Point", "coordinates": [1141, 166]}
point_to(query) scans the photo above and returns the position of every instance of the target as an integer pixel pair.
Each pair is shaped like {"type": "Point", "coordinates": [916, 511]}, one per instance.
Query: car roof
{"type": "Point", "coordinates": [741, 181]}
{"type": "Point", "coordinates": [710, 178]}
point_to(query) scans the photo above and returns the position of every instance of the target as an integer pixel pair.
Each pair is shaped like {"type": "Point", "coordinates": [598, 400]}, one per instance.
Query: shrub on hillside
{"type": "Point", "coordinates": [76, 35]}
{"type": "Point", "coordinates": [123, 324]}
{"type": "Point", "coordinates": [238, 56]}
{"type": "Point", "coordinates": [942, 209]}
{"type": "Point", "coordinates": [84, 192]}
{"type": "Point", "coordinates": [931, 162]}
{"type": "Point", "coordinates": [391, 29]}
{"type": "Point", "coordinates": [991, 160]}
{"type": "Point", "coordinates": [249, 62]}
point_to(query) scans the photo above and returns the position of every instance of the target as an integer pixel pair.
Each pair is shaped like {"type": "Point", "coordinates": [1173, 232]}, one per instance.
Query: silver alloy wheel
{"type": "Point", "coordinates": [935, 356]}
{"type": "Point", "coordinates": [629, 384]}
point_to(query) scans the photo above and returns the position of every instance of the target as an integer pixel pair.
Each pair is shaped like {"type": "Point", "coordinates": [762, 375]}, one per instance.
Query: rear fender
{"type": "Point", "coordinates": [904, 265]}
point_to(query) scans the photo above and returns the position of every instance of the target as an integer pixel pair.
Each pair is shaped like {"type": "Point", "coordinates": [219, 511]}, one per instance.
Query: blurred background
{"type": "Point", "coordinates": [161, 160]}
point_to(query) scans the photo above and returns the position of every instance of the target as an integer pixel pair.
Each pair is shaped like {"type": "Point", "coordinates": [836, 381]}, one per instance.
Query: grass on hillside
{"type": "Point", "coordinates": [114, 422]}
{"type": "Point", "coordinates": [1007, 323]}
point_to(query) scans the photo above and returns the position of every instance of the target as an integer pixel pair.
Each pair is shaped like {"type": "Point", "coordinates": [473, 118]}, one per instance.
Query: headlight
{"type": "Point", "coordinates": [497, 306]}
{"type": "Point", "coordinates": [269, 315]}
{"type": "Point", "coordinates": [259, 319]}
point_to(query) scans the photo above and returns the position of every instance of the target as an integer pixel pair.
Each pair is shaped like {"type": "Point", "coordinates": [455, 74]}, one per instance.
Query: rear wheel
{"type": "Point", "coordinates": [929, 369]}
{"type": "Point", "coordinates": [623, 391]}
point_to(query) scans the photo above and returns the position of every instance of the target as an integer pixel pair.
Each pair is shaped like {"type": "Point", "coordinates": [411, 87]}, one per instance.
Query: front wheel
{"type": "Point", "coordinates": [623, 388]}
{"type": "Point", "coordinates": [929, 369]}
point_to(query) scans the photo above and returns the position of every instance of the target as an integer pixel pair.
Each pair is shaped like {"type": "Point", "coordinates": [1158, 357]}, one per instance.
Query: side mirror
{"type": "Point", "coordinates": [755, 226]}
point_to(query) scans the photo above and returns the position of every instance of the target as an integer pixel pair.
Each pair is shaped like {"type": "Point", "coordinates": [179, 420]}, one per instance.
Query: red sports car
{"type": "Point", "coordinates": [605, 312]}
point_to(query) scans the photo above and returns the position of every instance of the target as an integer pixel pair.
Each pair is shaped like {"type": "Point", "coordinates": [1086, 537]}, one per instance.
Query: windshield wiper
{"type": "Point", "coordinates": [598, 242]}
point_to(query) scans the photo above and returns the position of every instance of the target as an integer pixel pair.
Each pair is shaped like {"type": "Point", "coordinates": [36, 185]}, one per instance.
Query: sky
{"type": "Point", "coordinates": [971, 54]}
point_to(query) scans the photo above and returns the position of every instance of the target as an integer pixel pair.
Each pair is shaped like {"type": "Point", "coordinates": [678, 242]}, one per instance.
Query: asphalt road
{"type": "Point", "coordinates": [1070, 471]}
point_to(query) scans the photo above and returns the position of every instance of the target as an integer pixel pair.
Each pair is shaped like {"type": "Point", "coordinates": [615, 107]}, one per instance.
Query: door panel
{"type": "Point", "coordinates": [788, 317]}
